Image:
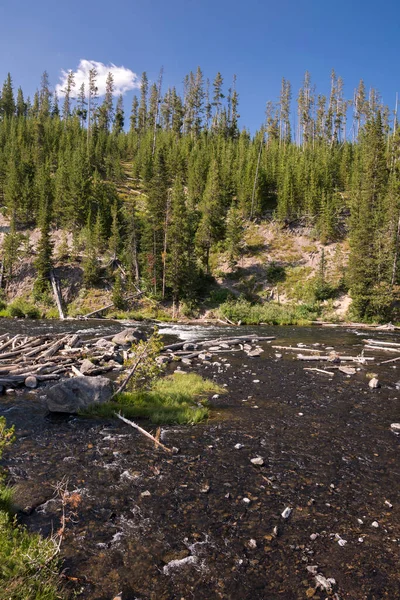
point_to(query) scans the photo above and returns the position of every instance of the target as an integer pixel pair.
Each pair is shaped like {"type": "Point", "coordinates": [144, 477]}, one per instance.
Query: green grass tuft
{"type": "Point", "coordinates": [177, 399]}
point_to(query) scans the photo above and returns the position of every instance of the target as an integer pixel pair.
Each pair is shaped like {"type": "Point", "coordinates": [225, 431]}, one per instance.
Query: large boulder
{"type": "Point", "coordinates": [73, 395]}
{"type": "Point", "coordinates": [127, 337]}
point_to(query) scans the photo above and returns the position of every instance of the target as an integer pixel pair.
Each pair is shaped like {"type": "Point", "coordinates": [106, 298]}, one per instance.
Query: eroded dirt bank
{"type": "Point", "coordinates": [206, 523]}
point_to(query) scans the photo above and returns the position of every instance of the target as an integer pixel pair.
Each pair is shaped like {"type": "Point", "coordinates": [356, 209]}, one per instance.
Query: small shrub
{"type": "Point", "coordinates": [218, 296]}
{"type": "Point", "coordinates": [275, 273]}
{"type": "Point", "coordinates": [22, 309]}
{"type": "Point", "coordinates": [270, 313]}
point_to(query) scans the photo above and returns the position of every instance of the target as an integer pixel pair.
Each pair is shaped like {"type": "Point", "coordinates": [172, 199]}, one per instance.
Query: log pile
{"type": "Point", "coordinates": [27, 360]}
{"type": "Point", "coordinates": [204, 350]}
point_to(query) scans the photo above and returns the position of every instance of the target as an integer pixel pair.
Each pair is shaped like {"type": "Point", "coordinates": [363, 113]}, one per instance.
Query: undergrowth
{"type": "Point", "coordinates": [28, 562]}
{"type": "Point", "coordinates": [176, 399]}
{"type": "Point", "coordinates": [270, 314]}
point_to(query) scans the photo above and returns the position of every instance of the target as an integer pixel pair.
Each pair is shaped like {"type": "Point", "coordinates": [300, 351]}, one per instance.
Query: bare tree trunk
{"type": "Point", "coordinates": [396, 252]}
{"type": "Point", "coordinates": [165, 246]}
{"type": "Point", "coordinates": [57, 295]}
{"type": "Point", "coordinates": [157, 109]}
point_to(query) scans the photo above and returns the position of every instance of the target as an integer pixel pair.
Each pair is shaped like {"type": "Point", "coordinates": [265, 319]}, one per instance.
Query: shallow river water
{"type": "Point", "coordinates": [206, 523]}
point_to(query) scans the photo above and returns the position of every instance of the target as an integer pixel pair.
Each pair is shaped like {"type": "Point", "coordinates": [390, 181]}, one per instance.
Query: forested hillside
{"type": "Point", "coordinates": [155, 198]}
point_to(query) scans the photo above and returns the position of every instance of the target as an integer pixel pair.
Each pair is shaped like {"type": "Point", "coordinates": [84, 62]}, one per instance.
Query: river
{"type": "Point", "coordinates": [206, 523]}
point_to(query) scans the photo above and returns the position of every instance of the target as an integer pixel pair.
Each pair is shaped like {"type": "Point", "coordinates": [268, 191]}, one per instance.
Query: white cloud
{"type": "Point", "coordinates": [124, 79]}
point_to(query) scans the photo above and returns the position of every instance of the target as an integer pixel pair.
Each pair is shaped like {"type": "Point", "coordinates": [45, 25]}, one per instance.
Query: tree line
{"type": "Point", "coordinates": [166, 189]}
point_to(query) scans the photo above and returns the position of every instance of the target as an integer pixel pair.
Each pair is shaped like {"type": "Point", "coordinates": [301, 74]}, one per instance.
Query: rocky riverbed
{"type": "Point", "coordinates": [316, 515]}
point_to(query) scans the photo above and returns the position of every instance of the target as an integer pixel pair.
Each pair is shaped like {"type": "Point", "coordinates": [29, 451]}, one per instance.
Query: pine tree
{"type": "Point", "coordinates": [44, 251]}
{"type": "Point", "coordinates": [142, 118]}
{"type": "Point", "coordinates": [66, 113]}
{"type": "Point", "coordinates": [7, 103]}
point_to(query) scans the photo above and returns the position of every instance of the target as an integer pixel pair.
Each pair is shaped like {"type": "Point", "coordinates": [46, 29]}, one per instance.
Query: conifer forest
{"type": "Point", "coordinates": [162, 190]}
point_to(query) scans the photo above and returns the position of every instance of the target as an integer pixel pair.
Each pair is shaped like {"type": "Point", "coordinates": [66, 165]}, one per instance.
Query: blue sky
{"type": "Point", "coordinates": [260, 41]}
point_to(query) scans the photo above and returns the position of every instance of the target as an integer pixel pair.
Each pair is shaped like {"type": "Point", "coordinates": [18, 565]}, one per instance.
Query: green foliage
{"type": "Point", "coordinates": [218, 296]}
{"type": "Point", "coordinates": [275, 273]}
{"type": "Point", "coordinates": [147, 369]}
{"type": "Point", "coordinates": [179, 398]}
{"type": "Point", "coordinates": [22, 309]}
{"type": "Point", "coordinates": [117, 293]}
{"type": "Point", "coordinates": [167, 196]}
{"type": "Point", "coordinates": [28, 567]}
{"type": "Point", "coordinates": [269, 314]}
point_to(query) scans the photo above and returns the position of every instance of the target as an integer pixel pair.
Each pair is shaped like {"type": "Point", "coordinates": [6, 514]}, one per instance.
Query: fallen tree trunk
{"type": "Point", "coordinates": [329, 358]}
{"type": "Point", "coordinates": [144, 432]}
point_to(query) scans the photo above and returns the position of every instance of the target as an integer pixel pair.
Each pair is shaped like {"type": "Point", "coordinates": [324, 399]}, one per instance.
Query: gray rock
{"type": "Point", "coordinates": [73, 395]}
{"type": "Point", "coordinates": [128, 337]}
{"type": "Point", "coordinates": [31, 382]}
{"type": "Point", "coordinates": [190, 346]}
{"type": "Point", "coordinates": [87, 366]}
{"type": "Point", "coordinates": [205, 356]}
{"type": "Point", "coordinates": [102, 343]}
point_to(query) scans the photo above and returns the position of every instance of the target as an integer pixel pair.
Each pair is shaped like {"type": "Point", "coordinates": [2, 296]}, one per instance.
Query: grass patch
{"type": "Point", "coordinates": [176, 399]}
{"type": "Point", "coordinates": [28, 565]}
{"type": "Point", "coordinates": [270, 314]}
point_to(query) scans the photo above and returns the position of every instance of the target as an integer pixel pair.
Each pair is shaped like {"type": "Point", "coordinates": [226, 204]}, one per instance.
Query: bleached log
{"type": "Point", "coordinates": [345, 358]}
{"type": "Point", "coordinates": [57, 294]}
{"type": "Point", "coordinates": [296, 349]}
{"type": "Point", "coordinates": [380, 343]}
{"type": "Point", "coordinates": [385, 362]}
{"type": "Point", "coordinates": [144, 432]}
{"type": "Point", "coordinates": [318, 371]}
{"type": "Point", "coordinates": [383, 348]}
{"type": "Point", "coordinates": [76, 371]}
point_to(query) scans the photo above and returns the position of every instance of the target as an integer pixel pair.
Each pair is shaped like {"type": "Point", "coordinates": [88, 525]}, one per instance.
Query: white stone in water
{"type": "Point", "coordinates": [256, 381]}
{"type": "Point", "coordinates": [375, 524]}
{"type": "Point", "coordinates": [388, 504]}
{"type": "Point", "coordinates": [342, 542]}
{"type": "Point", "coordinates": [258, 461]}
{"type": "Point", "coordinates": [238, 446]}
{"type": "Point", "coordinates": [246, 500]}
{"type": "Point", "coordinates": [215, 397]}
{"type": "Point", "coordinates": [313, 569]}
{"type": "Point", "coordinates": [252, 544]}
{"type": "Point", "coordinates": [374, 383]}
{"type": "Point", "coordinates": [395, 427]}
{"type": "Point", "coordinates": [314, 536]}
{"type": "Point", "coordinates": [323, 583]}
{"type": "Point", "coordinates": [174, 564]}
{"type": "Point", "coordinates": [145, 494]}
{"type": "Point", "coordinates": [287, 512]}
{"type": "Point", "coordinates": [278, 355]}
{"type": "Point", "coordinates": [360, 521]}
{"type": "Point", "coordinates": [360, 539]}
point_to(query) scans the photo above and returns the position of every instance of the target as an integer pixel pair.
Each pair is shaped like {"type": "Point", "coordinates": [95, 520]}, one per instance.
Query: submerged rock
{"type": "Point", "coordinates": [73, 395]}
